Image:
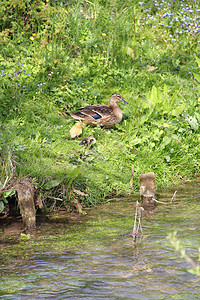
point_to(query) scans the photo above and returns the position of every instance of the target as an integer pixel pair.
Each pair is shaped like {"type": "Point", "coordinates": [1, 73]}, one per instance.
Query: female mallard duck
{"type": "Point", "coordinates": [105, 115]}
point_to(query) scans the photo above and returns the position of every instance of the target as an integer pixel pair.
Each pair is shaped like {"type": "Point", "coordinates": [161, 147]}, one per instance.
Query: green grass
{"type": "Point", "coordinates": [56, 57]}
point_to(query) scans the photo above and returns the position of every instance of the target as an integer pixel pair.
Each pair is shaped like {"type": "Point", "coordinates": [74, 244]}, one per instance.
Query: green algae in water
{"type": "Point", "coordinates": [102, 224]}
{"type": "Point", "coordinates": [96, 257]}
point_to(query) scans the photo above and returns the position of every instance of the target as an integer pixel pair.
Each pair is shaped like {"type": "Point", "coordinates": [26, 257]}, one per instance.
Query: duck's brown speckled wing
{"type": "Point", "coordinates": [94, 112]}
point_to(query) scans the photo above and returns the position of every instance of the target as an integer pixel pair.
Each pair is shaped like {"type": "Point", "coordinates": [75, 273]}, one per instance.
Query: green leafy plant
{"type": "Point", "coordinates": [4, 196]}
{"type": "Point", "coordinates": [179, 248]}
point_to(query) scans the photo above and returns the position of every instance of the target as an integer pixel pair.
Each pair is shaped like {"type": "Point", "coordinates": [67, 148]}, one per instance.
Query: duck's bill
{"type": "Point", "coordinates": [124, 101]}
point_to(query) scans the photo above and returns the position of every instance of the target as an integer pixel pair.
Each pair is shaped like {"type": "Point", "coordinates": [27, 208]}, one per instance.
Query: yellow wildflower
{"type": "Point", "coordinates": [32, 38]}
{"type": "Point", "coordinates": [22, 32]}
{"type": "Point", "coordinates": [198, 99]}
{"type": "Point", "coordinates": [33, 34]}
{"type": "Point", "coordinates": [165, 125]}
{"type": "Point", "coordinates": [83, 90]}
{"type": "Point", "coordinates": [103, 34]}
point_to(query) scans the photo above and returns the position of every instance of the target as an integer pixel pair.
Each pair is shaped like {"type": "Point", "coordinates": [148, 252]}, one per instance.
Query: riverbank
{"type": "Point", "coordinates": [79, 54]}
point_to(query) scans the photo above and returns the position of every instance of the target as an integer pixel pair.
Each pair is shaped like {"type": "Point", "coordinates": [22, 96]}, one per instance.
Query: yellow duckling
{"type": "Point", "coordinates": [106, 115]}
{"type": "Point", "coordinates": [87, 141]}
{"type": "Point", "coordinates": [76, 130]}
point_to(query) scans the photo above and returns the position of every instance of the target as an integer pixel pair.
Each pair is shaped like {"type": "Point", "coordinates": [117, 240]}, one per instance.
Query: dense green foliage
{"type": "Point", "coordinates": [56, 57]}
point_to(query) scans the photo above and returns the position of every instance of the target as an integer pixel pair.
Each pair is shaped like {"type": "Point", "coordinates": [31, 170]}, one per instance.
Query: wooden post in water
{"type": "Point", "coordinates": [147, 190]}
{"type": "Point", "coordinates": [26, 195]}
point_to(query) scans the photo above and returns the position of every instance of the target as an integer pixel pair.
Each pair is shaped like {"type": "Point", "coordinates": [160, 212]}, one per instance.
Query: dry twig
{"type": "Point", "coordinates": [173, 197]}
{"type": "Point", "coordinates": [139, 226]}
{"type": "Point", "coordinates": [131, 181]}
{"type": "Point", "coordinates": [158, 201]}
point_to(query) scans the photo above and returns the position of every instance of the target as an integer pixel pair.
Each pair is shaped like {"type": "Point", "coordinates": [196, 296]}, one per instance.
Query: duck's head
{"type": "Point", "coordinates": [116, 98]}
{"type": "Point", "coordinates": [91, 139]}
{"type": "Point", "coordinates": [79, 125]}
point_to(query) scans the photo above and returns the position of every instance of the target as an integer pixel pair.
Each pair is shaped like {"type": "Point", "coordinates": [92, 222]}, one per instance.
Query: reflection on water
{"type": "Point", "coordinates": [113, 267]}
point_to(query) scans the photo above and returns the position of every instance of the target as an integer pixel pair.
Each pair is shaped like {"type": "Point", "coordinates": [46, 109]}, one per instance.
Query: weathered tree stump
{"type": "Point", "coordinates": [147, 190]}
{"type": "Point", "coordinates": [26, 194]}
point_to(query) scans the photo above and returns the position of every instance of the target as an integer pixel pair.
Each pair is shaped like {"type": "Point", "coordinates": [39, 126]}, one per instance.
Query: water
{"type": "Point", "coordinates": [104, 263]}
